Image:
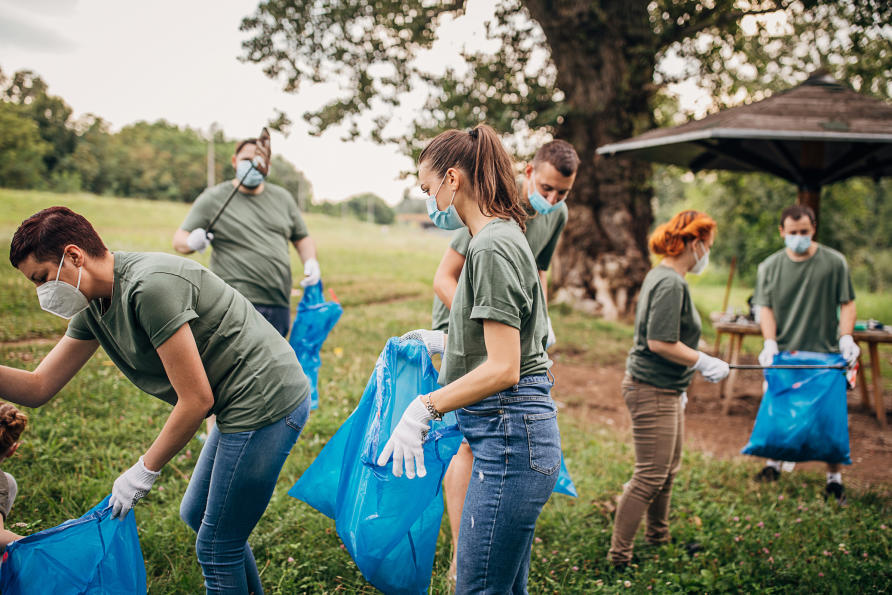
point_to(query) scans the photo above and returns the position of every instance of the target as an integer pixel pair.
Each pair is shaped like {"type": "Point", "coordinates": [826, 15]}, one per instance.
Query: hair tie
{"type": "Point", "coordinates": [473, 133]}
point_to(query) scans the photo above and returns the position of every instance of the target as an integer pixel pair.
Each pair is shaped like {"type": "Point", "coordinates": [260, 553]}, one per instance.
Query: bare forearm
{"type": "Point", "coordinates": [767, 323]}
{"type": "Point", "coordinates": [847, 314]}
{"type": "Point", "coordinates": [676, 352]}
{"type": "Point", "coordinates": [181, 425]}
{"type": "Point", "coordinates": [485, 380]}
{"type": "Point", "coordinates": [7, 537]}
{"type": "Point", "coordinates": [179, 242]}
{"type": "Point", "coordinates": [306, 248]}
{"type": "Point", "coordinates": [543, 281]}
{"type": "Point", "coordinates": [445, 289]}
{"type": "Point", "coordinates": [22, 387]}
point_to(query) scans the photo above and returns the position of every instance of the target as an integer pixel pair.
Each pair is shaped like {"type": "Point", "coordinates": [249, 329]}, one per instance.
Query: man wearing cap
{"type": "Point", "coordinates": [251, 236]}
{"type": "Point", "coordinates": [799, 290]}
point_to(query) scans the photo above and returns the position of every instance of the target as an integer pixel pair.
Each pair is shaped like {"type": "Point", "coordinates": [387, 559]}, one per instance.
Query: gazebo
{"type": "Point", "coordinates": [812, 135]}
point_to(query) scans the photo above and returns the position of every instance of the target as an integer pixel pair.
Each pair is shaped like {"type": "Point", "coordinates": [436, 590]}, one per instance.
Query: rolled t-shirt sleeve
{"type": "Point", "coordinates": [299, 228]}
{"type": "Point", "coordinates": [664, 312]}
{"type": "Point", "coordinates": [200, 214]}
{"type": "Point", "coordinates": [498, 293]}
{"type": "Point", "coordinates": [846, 290]}
{"type": "Point", "coordinates": [762, 294]}
{"type": "Point", "coordinates": [78, 328]}
{"type": "Point", "coordinates": [543, 259]}
{"type": "Point", "coordinates": [460, 241]}
{"type": "Point", "coordinates": [163, 304]}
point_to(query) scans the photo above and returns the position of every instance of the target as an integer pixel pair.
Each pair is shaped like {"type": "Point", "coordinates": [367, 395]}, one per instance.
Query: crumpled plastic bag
{"type": "Point", "coordinates": [388, 524]}
{"type": "Point", "coordinates": [803, 415]}
{"type": "Point", "coordinates": [315, 319]}
{"type": "Point", "coordinates": [92, 554]}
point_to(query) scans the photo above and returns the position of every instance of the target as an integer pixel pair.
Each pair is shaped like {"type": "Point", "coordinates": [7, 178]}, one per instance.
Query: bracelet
{"type": "Point", "coordinates": [430, 408]}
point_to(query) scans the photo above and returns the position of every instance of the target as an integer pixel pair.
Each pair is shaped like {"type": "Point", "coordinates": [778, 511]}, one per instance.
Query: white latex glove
{"type": "Point", "coordinates": [435, 341]}
{"type": "Point", "coordinates": [551, 338]}
{"type": "Point", "coordinates": [406, 441]}
{"type": "Point", "coordinates": [130, 487]}
{"type": "Point", "coordinates": [684, 400]}
{"type": "Point", "coordinates": [769, 350]}
{"type": "Point", "coordinates": [849, 349]}
{"type": "Point", "coordinates": [199, 239]}
{"type": "Point", "coordinates": [312, 273]}
{"type": "Point", "coordinates": [712, 368]}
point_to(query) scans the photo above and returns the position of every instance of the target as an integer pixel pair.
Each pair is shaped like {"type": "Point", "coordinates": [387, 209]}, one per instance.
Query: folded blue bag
{"type": "Point", "coordinates": [803, 414]}
{"type": "Point", "coordinates": [388, 524]}
{"type": "Point", "coordinates": [564, 483]}
{"type": "Point", "coordinates": [92, 554]}
{"type": "Point", "coordinates": [315, 319]}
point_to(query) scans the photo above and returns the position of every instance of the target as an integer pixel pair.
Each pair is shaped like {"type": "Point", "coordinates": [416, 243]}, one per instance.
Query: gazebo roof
{"type": "Point", "coordinates": [854, 131]}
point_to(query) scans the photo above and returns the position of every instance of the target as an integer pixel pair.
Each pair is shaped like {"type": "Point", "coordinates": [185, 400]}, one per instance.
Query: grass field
{"type": "Point", "coordinates": [779, 538]}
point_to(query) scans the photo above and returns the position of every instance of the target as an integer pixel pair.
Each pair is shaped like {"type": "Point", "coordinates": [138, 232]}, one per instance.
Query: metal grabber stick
{"type": "Point", "coordinates": [787, 367]}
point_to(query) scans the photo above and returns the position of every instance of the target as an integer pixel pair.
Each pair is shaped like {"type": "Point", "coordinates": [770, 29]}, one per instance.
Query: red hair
{"type": "Point", "coordinates": [671, 238]}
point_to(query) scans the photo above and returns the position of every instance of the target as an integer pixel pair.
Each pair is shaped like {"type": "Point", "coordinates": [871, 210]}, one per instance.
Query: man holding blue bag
{"type": "Point", "coordinates": [806, 301]}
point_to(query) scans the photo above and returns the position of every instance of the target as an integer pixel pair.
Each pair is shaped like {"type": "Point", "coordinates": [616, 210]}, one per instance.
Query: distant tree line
{"type": "Point", "coordinates": [42, 146]}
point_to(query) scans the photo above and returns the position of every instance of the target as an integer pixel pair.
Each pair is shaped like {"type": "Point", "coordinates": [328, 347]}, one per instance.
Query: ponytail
{"type": "Point", "coordinates": [12, 424]}
{"type": "Point", "coordinates": [480, 155]}
{"type": "Point", "coordinates": [670, 239]}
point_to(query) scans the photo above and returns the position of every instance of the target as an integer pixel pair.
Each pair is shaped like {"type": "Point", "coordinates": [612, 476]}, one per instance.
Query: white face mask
{"type": "Point", "coordinates": [61, 298]}
{"type": "Point", "coordinates": [700, 262]}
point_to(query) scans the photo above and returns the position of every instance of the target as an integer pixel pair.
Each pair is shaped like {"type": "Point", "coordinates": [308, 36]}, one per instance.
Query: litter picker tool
{"type": "Point", "coordinates": [785, 367]}
{"type": "Point", "coordinates": [260, 162]}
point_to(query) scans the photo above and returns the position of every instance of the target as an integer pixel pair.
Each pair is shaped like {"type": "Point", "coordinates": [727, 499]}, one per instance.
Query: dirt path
{"type": "Point", "coordinates": [593, 393]}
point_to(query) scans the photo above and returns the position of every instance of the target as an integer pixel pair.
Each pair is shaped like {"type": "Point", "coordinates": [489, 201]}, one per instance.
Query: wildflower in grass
{"type": "Point", "coordinates": [736, 519]}
{"type": "Point", "coordinates": [771, 559]}
{"type": "Point", "coordinates": [798, 520]}
{"type": "Point", "coordinates": [827, 553]}
{"type": "Point", "coordinates": [538, 540]}
{"type": "Point", "coordinates": [765, 550]}
{"type": "Point", "coordinates": [737, 538]}
{"type": "Point", "coordinates": [553, 552]}
{"type": "Point", "coordinates": [599, 583]}
{"type": "Point", "coordinates": [821, 574]}
{"type": "Point", "coordinates": [760, 524]}
{"type": "Point", "coordinates": [545, 559]}
{"type": "Point", "coordinates": [576, 568]}
{"type": "Point", "coordinates": [780, 496]}
{"type": "Point", "coordinates": [343, 547]}
{"type": "Point", "coordinates": [777, 534]}
{"type": "Point", "coordinates": [864, 554]}
{"type": "Point", "coordinates": [627, 584]}
{"type": "Point", "coordinates": [290, 559]}
{"type": "Point", "coordinates": [883, 527]}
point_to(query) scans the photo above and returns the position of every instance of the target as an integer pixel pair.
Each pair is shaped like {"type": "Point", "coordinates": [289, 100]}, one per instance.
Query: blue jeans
{"type": "Point", "coordinates": [230, 489]}
{"type": "Point", "coordinates": [278, 316]}
{"type": "Point", "coordinates": [516, 444]}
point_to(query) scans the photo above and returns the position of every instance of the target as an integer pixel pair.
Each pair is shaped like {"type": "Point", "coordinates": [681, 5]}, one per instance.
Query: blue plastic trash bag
{"type": "Point", "coordinates": [92, 554]}
{"type": "Point", "coordinates": [388, 524]}
{"type": "Point", "coordinates": [315, 319]}
{"type": "Point", "coordinates": [564, 483]}
{"type": "Point", "coordinates": [803, 414]}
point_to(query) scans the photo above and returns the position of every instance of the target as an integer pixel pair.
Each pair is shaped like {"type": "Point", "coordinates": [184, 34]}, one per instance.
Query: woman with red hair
{"type": "Point", "coordinates": [658, 371]}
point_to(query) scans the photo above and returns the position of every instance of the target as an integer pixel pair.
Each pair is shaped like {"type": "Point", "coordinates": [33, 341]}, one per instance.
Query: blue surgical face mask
{"type": "Point", "coordinates": [797, 243]}
{"type": "Point", "coordinates": [538, 202]}
{"type": "Point", "coordinates": [447, 219]}
{"type": "Point", "coordinates": [248, 174]}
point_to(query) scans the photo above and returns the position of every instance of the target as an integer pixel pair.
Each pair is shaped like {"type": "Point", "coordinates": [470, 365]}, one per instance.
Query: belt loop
{"type": "Point", "coordinates": [550, 375]}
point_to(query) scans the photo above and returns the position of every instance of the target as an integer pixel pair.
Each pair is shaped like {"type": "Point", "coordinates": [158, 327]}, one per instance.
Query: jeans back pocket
{"type": "Point", "coordinates": [544, 439]}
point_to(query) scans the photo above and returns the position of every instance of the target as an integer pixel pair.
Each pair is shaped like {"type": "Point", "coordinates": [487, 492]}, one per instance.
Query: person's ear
{"type": "Point", "coordinates": [74, 255]}
{"type": "Point", "coordinates": [12, 449]}
{"type": "Point", "coordinates": [528, 170]}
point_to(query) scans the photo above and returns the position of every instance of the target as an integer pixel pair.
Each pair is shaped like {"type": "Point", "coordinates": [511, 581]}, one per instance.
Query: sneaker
{"type": "Point", "coordinates": [837, 490]}
{"type": "Point", "coordinates": [767, 474]}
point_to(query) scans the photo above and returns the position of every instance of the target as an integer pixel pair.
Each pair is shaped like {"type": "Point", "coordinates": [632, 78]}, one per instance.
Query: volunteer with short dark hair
{"type": "Point", "coordinates": [799, 291]}
{"type": "Point", "coordinates": [659, 369]}
{"type": "Point", "coordinates": [178, 332]}
{"type": "Point", "coordinates": [494, 371]}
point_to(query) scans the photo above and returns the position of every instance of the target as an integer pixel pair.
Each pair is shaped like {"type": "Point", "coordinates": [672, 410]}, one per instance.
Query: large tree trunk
{"type": "Point", "coordinates": [605, 58]}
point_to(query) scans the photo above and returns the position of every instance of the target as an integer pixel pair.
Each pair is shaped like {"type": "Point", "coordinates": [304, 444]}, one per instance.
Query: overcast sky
{"type": "Point", "coordinates": [177, 60]}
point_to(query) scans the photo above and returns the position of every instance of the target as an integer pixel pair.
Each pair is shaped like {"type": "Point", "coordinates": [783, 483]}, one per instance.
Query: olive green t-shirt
{"type": "Point", "coordinates": [253, 371]}
{"type": "Point", "coordinates": [5, 500]}
{"type": "Point", "coordinates": [665, 312]}
{"type": "Point", "coordinates": [499, 282]}
{"type": "Point", "coordinates": [805, 297]}
{"type": "Point", "coordinates": [542, 233]}
{"type": "Point", "coordinates": [251, 239]}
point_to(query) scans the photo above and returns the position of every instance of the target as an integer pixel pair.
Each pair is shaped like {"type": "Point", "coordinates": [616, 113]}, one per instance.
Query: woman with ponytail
{"type": "Point", "coordinates": [12, 424]}
{"type": "Point", "coordinates": [658, 371]}
{"type": "Point", "coordinates": [495, 369]}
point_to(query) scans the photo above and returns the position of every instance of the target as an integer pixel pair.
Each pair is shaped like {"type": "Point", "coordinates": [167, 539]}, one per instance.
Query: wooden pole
{"type": "Point", "coordinates": [728, 286]}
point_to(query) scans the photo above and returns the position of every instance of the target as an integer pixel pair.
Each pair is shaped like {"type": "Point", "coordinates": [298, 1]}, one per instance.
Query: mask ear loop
{"type": "Point", "coordinates": [59, 270]}
{"type": "Point", "coordinates": [80, 271]}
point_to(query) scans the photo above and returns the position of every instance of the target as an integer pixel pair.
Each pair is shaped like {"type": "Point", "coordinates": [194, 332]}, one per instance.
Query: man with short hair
{"type": "Point", "coordinates": [545, 184]}
{"type": "Point", "coordinates": [251, 238]}
{"type": "Point", "coordinates": [799, 290]}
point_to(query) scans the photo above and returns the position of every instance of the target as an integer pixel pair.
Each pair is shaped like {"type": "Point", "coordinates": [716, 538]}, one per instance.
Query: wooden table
{"type": "Point", "coordinates": [737, 331]}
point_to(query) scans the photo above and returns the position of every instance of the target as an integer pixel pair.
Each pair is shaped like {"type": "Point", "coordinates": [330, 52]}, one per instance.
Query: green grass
{"type": "Point", "coordinates": [77, 445]}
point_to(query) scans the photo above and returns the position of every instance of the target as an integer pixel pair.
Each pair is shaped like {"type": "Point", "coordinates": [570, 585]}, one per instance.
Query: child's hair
{"type": "Point", "coordinates": [12, 424]}
{"type": "Point", "coordinates": [670, 239]}
{"type": "Point", "coordinates": [480, 155]}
